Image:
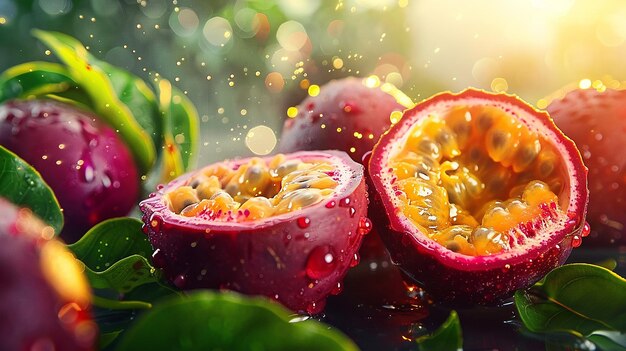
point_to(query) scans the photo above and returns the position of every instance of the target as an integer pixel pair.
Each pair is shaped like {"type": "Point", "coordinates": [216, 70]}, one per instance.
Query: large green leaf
{"type": "Point", "coordinates": [583, 299]}
{"type": "Point", "coordinates": [448, 337]}
{"type": "Point", "coordinates": [135, 94]}
{"type": "Point", "coordinates": [227, 321]}
{"type": "Point", "coordinates": [106, 103]}
{"type": "Point", "coordinates": [33, 79]}
{"type": "Point", "coordinates": [111, 241]}
{"type": "Point", "coordinates": [22, 185]}
{"type": "Point", "coordinates": [116, 255]}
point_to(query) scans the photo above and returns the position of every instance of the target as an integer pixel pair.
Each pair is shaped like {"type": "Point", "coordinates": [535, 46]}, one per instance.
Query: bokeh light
{"type": "Point", "coordinates": [261, 140]}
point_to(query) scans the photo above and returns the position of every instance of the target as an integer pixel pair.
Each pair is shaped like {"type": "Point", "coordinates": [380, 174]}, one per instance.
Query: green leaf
{"type": "Point", "coordinates": [180, 131]}
{"type": "Point", "coordinates": [608, 340]}
{"type": "Point", "coordinates": [581, 299]}
{"type": "Point", "coordinates": [111, 241]}
{"type": "Point", "coordinates": [124, 275]}
{"type": "Point", "coordinates": [206, 320]}
{"type": "Point", "coordinates": [447, 337]}
{"type": "Point", "coordinates": [576, 297]}
{"type": "Point", "coordinates": [135, 93]}
{"type": "Point", "coordinates": [34, 79]}
{"type": "Point", "coordinates": [86, 71]}
{"type": "Point", "coordinates": [116, 255]}
{"type": "Point", "coordinates": [22, 185]}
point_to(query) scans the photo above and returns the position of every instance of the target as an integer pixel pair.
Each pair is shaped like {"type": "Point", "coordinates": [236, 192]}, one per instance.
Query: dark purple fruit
{"type": "Point", "coordinates": [87, 165]}
{"type": "Point", "coordinates": [44, 296]}
{"type": "Point", "coordinates": [348, 115]}
{"type": "Point", "coordinates": [596, 121]}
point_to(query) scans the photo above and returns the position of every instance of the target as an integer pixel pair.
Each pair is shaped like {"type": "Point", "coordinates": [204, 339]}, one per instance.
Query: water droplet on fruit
{"type": "Point", "coordinates": [158, 258]}
{"type": "Point", "coordinates": [365, 225]}
{"type": "Point", "coordinates": [331, 204]}
{"type": "Point", "coordinates": [106, 180]}
{"type": "Point", "coordinates": [304, 222]}
{"type": "Point", "coordinates": [344, 202]}
{"type": "Point", "coordinates": [287, 238]}
{"type": "Point", "coordinates": [576, 241]}
{"type": "Point", "coordinates": [337, 289]}
{"type": "Point", "coordinates": [314, 307]}
{"type": "Point", "coordinates": [350, 107]}
{"type": "Point", "coordinates": [352, 212]}
{"type": "Point", "coordinates": [365, 160]}
{"type": "Point", "coordinates": [180, 281]}
{"type": "Point", "coordinates": [155, 222]}
{"type": "Point", "coordinates": [87, 174]}
{"type": "Point", "coordinates": [355, 260]}
{"type": "Point", "coordinates": [586, 230]}
{"type": "Point", "coordinates": [321, 262]}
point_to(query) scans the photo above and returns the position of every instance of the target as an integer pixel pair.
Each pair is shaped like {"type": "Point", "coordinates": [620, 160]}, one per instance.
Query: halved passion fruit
{"type": "Point", "coordinates": [478, 195]}
{"type": "Point", "coordinates": [287, 226]}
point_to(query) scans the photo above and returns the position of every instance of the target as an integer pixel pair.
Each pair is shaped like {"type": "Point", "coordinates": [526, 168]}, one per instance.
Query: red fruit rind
{"type": "Point", "coordinates": [463, 279]}
{"type": "Point", "coordinates": [293, 260]}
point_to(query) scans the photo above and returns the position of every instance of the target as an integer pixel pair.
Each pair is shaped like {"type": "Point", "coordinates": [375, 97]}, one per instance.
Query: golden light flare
{"type": "Point", "coordinates": [372, 81]}
{"type": "Point", "coordinates": [292, 112]}
{"type": "Point", "coordinates": [584, 83]}
{"type": "Point", "coordinates": [64, 273]}
{"type": "Point", "coordinates": [499, 85]}
{"type": "Point", "coordinates": [274, 82]}
{"type": "Point", "coordinates": [304, 84]}
{"type": "Point", "coordinates": [261, 140]}
{"type": "Point", "coordinates": [395, 117]}
{"type": "Point", "coordinates": [337, 63]}
{"type": "Point", "coordinates": [314, 90]}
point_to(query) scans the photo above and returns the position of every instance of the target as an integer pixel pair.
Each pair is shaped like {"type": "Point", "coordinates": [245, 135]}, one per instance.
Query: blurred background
{"type": "Point", "coordinates": [244, 63]}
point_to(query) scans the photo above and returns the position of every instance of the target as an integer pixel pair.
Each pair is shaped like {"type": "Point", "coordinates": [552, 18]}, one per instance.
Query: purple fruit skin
{"type": "Point", "coordinates": [87, 165]}
{"type": "Point", "coordinates": [268, 259]}
{"type": "Point", "coordinates": [596, 121]}
{"type": "Point", "coordinates": [344, 103]}
{"type": "Point", "coordinates": [28, 304]}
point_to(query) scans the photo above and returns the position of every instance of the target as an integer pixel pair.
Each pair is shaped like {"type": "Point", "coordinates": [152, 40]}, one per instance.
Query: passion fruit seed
{"type": "Point", "coordinates": [254, 190]}
{"type": "Point", "coordinates": [477, 181]}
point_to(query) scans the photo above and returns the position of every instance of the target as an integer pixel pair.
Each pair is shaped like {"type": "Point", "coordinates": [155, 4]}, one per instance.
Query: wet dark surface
{"type": "Point", "coordinates": [379, 311]}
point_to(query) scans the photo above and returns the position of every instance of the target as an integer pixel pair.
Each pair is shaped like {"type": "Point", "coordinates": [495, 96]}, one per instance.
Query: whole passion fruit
{"type": "Point", "coordinates": [287, 226]}
{"type": "Point", "coordinates": [44, 297]}
{"type": "Point", "coordinates": [348, 114]}
{"type": "Point", "coordinates": [596, 121]}
{"type": "Point", "coordinates": [86, 164]}
{"type": "Point", "coordinates": [478, 195]}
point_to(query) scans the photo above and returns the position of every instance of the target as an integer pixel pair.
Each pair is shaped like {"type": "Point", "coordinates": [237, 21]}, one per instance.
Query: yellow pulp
{"type": "Point", "coordinates": [254, 190]}
{"type": "Point", "coordinates": [477, 181]}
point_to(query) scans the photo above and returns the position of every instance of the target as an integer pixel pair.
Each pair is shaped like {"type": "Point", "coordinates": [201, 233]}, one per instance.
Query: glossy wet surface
{"type": "Point", "coordinates": [380, 312]}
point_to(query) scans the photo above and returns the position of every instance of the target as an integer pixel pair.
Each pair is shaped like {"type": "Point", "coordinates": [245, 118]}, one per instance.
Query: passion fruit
{"type": "Point", "coordinates": [87, 165]}
{"type": "Point", "coordinates": [348, 114]}
{"type": "Point", "coordinates": [596, 121]}
{"type": "Point", "coordinates": [45, 297]}
{"type": "Point", "coordinates": [287, 227]}
{"type": "Point", "coordinates": [477, 195]}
